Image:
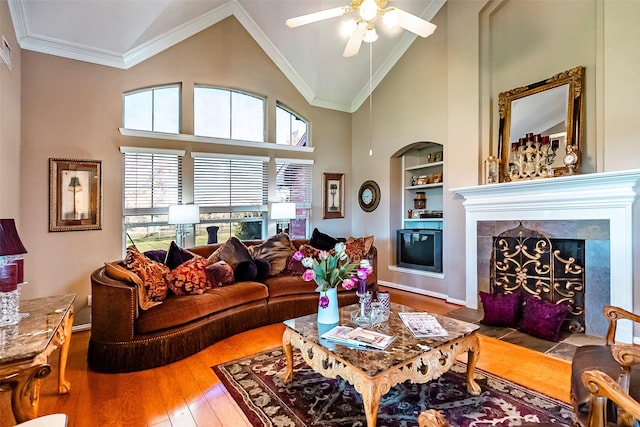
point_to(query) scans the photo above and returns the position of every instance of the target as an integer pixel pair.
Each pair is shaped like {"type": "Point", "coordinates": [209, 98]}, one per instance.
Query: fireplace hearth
{"type": "Point", "coordinates": [609, 196]}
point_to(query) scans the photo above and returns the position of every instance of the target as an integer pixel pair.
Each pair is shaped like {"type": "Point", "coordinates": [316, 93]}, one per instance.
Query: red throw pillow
{"type": "Point", "coordinates": [500, 309]}
{"type": "Point", "coordinates": [189, 278]}
{"type": "Point", "coordinates": [543, 319]}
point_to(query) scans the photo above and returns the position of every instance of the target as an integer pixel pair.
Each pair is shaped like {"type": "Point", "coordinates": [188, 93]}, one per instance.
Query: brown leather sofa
{"type": "Point", "coordinates": [125, 338]}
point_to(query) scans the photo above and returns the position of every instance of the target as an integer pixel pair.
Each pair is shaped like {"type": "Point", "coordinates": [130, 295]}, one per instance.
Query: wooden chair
{"type": "Point", "coordinates": [601, 358]}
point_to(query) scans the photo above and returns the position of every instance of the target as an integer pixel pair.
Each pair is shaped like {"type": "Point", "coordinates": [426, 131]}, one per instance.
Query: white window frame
{"type": "Point", "coordinates": [289, 131]}
{"type": "Point", "coordinates": [153, 106]}
{"type": "Point", "coordinates": [155, 211]}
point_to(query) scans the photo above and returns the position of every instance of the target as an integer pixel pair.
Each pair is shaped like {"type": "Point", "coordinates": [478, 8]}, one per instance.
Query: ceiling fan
{"type": "Point", "coordinates": [361, 27]}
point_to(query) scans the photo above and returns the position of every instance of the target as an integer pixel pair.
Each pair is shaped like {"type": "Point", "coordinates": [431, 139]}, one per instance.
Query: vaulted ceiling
{"type": "Point", "coordinates": [123, 33]}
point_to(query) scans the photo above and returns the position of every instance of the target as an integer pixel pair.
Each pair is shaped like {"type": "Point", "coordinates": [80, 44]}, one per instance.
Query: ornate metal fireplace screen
{"type": "Point", "coordinates": [523, 260]}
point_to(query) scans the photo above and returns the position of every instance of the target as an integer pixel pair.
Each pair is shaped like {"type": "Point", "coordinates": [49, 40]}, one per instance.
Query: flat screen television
{"type": "Point", "coordinates": [420, 249]}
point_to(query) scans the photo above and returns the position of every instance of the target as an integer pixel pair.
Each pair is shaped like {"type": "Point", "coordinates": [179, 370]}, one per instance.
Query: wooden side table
{"type": "Point", "coordinates": [25, 349]}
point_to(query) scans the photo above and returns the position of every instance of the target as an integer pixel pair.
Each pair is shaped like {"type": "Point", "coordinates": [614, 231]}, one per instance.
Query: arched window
{"type": "Point", "coordinates": [154, 109]}
{"type": "Point", "coordinates": [224, 113]}
{"type": "Point", "coordinates": [291, 129]}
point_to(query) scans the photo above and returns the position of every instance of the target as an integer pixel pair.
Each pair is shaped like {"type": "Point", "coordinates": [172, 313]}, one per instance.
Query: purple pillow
{"type": "Point", "coordinates": [245, 271]}
{"type": "Point", "coordinates": [500, 309]}
{"type": "Point", "coordinates": [158, 255]}
{"type": "Point", "coordinates": [177, 256]}
{"type": "Point", "coordinates": [263, 269]}
{"type": "Point", "coordinates": [543, 319]}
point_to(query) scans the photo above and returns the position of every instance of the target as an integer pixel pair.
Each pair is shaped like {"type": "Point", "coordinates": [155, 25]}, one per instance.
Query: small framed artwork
{"type": "Point", "coordinates": [75, 195]}
{"type": "Point", "coordinates": [333, 196]}
{"type": "Point", "coordinates": [437, 157]}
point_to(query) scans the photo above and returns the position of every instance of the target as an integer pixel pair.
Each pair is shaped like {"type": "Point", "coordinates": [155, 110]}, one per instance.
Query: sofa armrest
{"type": "Point", "coordinates": [113, 309]}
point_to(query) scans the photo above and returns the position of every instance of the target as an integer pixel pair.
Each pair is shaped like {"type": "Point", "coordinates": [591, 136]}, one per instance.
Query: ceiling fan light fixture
{"type": "Point", "coordinates": [371, 35]}
{"type": "Point", "coordinates": [348, 27]}
{"type": "Point", "coordinates": [368, 10]}
{"type": "Point", "coordinates": [390, 18]}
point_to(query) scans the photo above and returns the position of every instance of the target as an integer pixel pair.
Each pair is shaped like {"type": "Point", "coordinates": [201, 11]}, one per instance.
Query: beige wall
{"type": "Point", "coordinates": [445, 89]}
{"type": "Point", "coordinates": [73, 110]}
{"type": "Point", "coordinates": [10, 124]}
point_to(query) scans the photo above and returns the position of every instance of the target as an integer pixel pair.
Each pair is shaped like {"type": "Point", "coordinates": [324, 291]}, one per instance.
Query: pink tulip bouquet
{"type": "Point", "coordinates": [330, 270]}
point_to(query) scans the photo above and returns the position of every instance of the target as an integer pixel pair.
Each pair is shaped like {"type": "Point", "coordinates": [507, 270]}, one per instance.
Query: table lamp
{"type": "Point", "coordinates": [282, 212]}
{"type": "Point", "coordinates": [183, 216]}
{"type": "Point", "coordinates": [11, 272]}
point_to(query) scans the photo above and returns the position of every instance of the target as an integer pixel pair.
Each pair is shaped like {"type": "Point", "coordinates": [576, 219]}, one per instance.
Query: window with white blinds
{"type": "Point", "coordinates": [152, 182]}
{"type": "Point", "coordinates": [232, 194]}
{"type": "Point", "coordinates": [293, 184]}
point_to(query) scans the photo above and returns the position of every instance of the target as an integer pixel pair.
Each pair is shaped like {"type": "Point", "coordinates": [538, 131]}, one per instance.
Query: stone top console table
{"type": "Point", "coordinates": [25, 348]}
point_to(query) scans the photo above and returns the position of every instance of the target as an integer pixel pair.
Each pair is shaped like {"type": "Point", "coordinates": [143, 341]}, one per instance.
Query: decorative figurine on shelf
{"type": "Point", "coordinates": [571, 159]}
{"type": "Point", "coordinates": [532, 157]}
{"type": "Point", "coordinates": [492, 169]}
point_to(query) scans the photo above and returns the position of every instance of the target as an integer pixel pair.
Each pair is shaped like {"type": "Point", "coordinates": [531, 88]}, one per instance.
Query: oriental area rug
{"type": "Point", "coordinates": [255, 384]}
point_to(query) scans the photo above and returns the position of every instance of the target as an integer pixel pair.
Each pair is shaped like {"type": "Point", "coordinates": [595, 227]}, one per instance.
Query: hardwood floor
{"type": "Point", "coordinates": [188, 393]}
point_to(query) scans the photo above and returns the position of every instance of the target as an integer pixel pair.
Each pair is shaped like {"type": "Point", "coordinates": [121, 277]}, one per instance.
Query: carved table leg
{"type": "Point", "coordinates": [287, 377]}
{"type": "Point", "coordinates": [25, 391]}
{"type": "Point", "coordinates": [472, 358]}
{"type": "Point", "coordinates": [65, 339]}
{"type": "Point", "coordinates": [371, 402]}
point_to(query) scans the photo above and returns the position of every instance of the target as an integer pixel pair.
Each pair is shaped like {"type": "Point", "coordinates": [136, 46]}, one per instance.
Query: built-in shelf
{"type": "Point", "coordinates": [424, 165]}
{"type": "Point", "coordinates": [418, 187]}
{"type": "Point", "coordinates": [210, 140]}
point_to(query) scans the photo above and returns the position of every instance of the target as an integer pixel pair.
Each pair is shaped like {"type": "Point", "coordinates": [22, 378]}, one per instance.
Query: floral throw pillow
{"type": "Point", "coordinates": [358, 248]}
{"type": "Point", "coordinates": [189, 278]}
{"type": "Point", "coordinates": [153, 274]}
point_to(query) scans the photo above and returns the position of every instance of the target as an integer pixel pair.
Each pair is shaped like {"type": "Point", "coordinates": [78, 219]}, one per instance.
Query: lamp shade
{"type": "Point", "coordinates": [283, 210]}
{"type": "Point", "coordinates": [10, 243]}
{"type": "Point", "coordinates": [184, 214]}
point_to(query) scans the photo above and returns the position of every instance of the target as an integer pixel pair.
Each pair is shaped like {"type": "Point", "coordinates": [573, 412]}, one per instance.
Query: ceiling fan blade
{"type": "Point", "coordinates": [353, 45]}
{"type": "Point", "coordinates": [317, 16]}
{"type": "Point", "coordinates": [414, 24]}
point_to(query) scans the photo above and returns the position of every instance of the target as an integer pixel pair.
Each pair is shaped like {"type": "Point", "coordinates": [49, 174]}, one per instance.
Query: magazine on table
{"type": "Point", "coordinates": [358, 337]}
{"type": "Point", "coordinates": [423, 325]}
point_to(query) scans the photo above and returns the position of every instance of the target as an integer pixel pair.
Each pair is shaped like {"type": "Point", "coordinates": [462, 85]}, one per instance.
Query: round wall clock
{"type": "Point", "coordinates": [369, 196]}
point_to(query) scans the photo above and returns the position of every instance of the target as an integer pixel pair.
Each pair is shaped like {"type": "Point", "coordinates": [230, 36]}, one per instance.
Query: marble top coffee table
{"type": "Point", "coordinates": [374, 372]}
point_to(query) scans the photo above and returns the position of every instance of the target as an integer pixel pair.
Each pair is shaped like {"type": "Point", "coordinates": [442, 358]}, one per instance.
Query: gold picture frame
{"type": "Point", "coordinates": [75, 195]}
{"type": "Point", "coordinates": [333, 196]}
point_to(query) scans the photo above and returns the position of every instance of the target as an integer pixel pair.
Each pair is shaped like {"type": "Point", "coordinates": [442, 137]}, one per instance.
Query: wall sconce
{"type": "Point", "coordinates": [11, 273]}
{"type": "Point", "coordinates": [183, 216]}
{"type": "Point", "coordinates": [282, 213]}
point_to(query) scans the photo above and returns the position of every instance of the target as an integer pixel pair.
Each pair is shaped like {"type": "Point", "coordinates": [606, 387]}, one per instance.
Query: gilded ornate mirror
{"type": "Point", "coordinates": [538, 124]}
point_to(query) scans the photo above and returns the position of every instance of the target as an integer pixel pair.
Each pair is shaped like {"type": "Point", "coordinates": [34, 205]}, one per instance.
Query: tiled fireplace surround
{"type": "Point", "coordinates": [598, 208]}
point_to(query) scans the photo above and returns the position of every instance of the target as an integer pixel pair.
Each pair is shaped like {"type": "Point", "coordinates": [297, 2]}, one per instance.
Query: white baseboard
{"type": "Point", "coordinates": [421, 292]}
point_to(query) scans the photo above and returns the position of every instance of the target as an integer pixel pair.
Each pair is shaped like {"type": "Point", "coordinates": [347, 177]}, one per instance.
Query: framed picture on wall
{"type": "Point", "coordinates": [75, 195]}
{"type": "Point", "coordinates": [333, 195]}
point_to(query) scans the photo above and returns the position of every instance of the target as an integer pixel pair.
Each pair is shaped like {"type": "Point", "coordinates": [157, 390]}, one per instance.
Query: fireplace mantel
{"type": "Point", "coordinates": [598, 196]}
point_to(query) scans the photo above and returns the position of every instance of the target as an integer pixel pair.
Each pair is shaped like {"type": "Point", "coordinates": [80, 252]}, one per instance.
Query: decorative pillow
{"type": "Point", "coordinates": [501, 309]}
{"type": "Point", "coordinates": [118, 272]}
{"type": "Point", "coordinates": [321, 240]}
{"type": "Point", "coordinates": [293, 267]}
{"type": "Point", "coordinates": [543, 319]}
{"type": "Point", "coordinates": [219, 274]}
{"type": "Point", "coordinates": [358, 248]}
{"type": "Point", "coordinates": [153, 275]}
{"type": "Point", "coordinates": [309, 251]}
{"type": "Point", "coordinates": [263, 269]}
{"type": "Point", "coordinates": [275, 250]}
{"type": "Point", "coordinates": [246, 270]}
{"type": "Point", "coordinates": [158, 255]}
{"type": "Point", "coordinates": [177, 256]}
{"type": "Point", "coordinates": [189, 278]}
{"type": "Point", "coordinates": [232, 252]}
